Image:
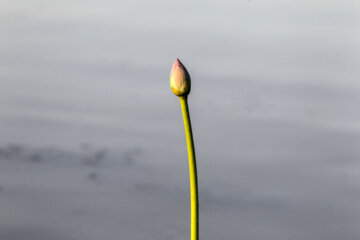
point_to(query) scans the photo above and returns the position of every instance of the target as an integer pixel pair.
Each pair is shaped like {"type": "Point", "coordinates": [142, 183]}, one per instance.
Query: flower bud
{"type": "Point", "coordinates": [180, 81]}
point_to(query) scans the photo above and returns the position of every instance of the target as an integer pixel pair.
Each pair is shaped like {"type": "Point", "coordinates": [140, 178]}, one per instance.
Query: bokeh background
{"type": "Point", "coordinates": [92, 143]}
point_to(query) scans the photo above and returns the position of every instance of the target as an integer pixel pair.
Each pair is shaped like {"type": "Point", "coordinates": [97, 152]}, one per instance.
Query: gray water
{"type": "Point", "coordinates": [91, 137]}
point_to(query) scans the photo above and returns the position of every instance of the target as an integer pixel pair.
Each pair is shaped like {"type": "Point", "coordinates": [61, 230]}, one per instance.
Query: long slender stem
{"type": "Point", "coordinates": [192, 170]}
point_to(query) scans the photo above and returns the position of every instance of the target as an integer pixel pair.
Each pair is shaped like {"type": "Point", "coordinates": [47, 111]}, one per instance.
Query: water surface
{"type": "Point", "coordinates": [92, 143]}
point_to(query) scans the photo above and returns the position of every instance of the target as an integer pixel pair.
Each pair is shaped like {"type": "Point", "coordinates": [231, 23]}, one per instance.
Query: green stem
{"type": "Point", "coordinates": [192, 170]}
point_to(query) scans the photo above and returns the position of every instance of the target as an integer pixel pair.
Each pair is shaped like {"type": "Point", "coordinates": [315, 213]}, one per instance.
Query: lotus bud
{"type": "Point", "coordinates": [180, 81]}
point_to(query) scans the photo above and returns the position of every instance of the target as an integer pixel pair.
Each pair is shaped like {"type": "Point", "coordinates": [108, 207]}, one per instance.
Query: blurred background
{"type": "Point", "coordinates": [92, 143]}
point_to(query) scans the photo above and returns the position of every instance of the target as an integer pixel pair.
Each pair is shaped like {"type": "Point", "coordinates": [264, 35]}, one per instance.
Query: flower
{"type": "Point", "coordinates": [180, 81]}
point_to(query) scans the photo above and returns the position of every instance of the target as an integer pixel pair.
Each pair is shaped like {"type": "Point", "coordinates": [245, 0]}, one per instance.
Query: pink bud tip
{"type": "Point", "coordinates": [180, 81]}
